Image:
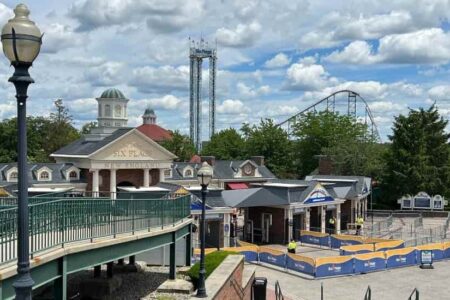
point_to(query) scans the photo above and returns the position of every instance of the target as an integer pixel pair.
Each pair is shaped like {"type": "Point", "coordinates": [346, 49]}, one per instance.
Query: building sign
{"type": "Point", "coordinates": [130, 151]}
{"type": "Point", "coordinates": [318, 195]}
{"type": "Point", "coordinates": [130, 165]}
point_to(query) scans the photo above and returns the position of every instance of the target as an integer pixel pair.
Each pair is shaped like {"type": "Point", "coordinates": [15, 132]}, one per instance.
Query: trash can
{"type": "Point", "coordinates": [259, 288]}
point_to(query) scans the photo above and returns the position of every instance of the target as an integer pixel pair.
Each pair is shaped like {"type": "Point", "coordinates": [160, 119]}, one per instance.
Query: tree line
{"type": "Point", "coordinates": [415, 157]}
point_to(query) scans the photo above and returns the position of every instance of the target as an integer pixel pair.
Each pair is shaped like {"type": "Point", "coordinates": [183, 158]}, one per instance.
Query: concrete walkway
{"type": "Point", "coordinates": [395, 284]}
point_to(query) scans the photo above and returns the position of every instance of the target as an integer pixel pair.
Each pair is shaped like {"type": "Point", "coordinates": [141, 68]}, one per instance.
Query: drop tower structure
{"type": "Point", "coordinates": [197, 52]}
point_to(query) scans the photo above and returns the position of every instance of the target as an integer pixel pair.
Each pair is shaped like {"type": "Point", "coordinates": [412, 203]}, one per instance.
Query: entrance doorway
{"type": "Point", "coordinates": [316, 219]}
{"type": "Point", "coordinates": [266, 223]}
{"type": "Point", "coordinates": [299, 224]}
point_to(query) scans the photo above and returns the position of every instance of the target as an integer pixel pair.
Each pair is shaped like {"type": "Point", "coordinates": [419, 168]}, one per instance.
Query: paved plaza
{"type": "Point", "coordinates": [395, 284]}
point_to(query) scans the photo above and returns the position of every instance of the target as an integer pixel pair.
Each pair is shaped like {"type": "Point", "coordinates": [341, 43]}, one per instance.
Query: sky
{"type": "Point", "coordinates": [275, 57]}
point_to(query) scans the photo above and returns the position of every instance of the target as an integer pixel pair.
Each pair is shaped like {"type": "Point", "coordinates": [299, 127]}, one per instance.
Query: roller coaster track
{"type": "Point", "coordinates": [353, 100]}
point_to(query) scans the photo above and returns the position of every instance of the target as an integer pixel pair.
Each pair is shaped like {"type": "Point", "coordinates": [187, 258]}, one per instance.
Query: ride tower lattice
{"type": "Point", "coordinates": [197, 52]}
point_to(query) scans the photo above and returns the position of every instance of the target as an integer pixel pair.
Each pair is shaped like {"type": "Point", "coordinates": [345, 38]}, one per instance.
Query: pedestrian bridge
{"type": "Point", "coordinates": [71, 234]}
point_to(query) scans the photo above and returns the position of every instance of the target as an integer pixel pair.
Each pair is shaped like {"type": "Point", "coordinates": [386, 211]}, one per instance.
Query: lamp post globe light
{"type": "Point", "coordinates": [204, 176]}
{"type": "Point", "coordinates": [21, 41]}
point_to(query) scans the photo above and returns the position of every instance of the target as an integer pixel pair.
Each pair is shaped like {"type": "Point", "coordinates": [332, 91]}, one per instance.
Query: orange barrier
{"type": "Point", "coordinates": [356, 249]}
{"type": "Point", "coordinates": [393, 244]}
{"type": "Point", "coordinates": [437, 250]}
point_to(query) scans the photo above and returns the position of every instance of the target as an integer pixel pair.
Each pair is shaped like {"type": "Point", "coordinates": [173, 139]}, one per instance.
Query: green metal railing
{"type": "Point", "coordinates": [54, 223]}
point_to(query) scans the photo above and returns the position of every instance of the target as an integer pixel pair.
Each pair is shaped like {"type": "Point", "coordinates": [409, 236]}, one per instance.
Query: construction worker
{"type": "Point", "coordinates": [331, 224]}
{"type": "Point", "coordinates": [292, 246]}
{"type": "Point", "coordinates": [359, 225]}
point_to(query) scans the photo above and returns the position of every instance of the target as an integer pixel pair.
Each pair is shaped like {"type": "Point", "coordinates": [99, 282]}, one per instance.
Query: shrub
{"type": "Point", "coordinates": [212, 261]}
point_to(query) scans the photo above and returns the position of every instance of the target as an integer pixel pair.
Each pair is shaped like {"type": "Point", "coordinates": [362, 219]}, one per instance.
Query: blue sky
{"type": "Point", "coordinates": [275, 57]}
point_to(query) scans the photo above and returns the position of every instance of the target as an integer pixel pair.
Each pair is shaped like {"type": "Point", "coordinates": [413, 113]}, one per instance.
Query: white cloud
{"type": "Point", "coordinates": [278, 61]}
{"type": "Point", "coordinates": [307, 77]}
{"type": "Point", "coordinates": [427, 46]}
{"type": "Point", "coordinates": [108, 74]}
{"type": "Point", "coordinates": [358, 52]}
{"type": "Point", "coordinates": [160, 15]}
{"type": "Point", "coordinates": [244, 35]}
{"type": "Point", "coordinates": [439, 93]}
{"type": "Point", "coordinates": [163, 78]}
{"type": "Point", "coordinates": [231, 106]}
{"type": "Point", "coordinates": [58, 37]}
{"type": "Point", "coordinates": [251, 92]}
{"type": "Point", "coordinates": [386, 106]}
{"type": "Point", "coordinates": [167, 102]}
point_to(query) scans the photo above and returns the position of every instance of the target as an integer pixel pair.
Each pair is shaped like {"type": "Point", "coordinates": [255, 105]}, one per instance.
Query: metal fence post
{"type": "Point", "coordinates": [321, 291]}
{"type": "Point", "coordinates": [133, 208]}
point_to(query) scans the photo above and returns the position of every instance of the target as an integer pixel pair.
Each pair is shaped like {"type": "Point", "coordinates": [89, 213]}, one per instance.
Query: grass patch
{"type": "Point", "coordinates": [212, 261]}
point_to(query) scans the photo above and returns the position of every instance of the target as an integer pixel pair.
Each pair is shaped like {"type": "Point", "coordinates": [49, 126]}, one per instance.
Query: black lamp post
{"type": "Point", "coordinates": [204, 176]}
{"type": "Point", "coordinates": [21, 40]}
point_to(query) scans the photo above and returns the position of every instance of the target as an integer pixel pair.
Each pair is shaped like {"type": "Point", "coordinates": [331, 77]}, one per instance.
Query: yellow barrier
{"type": "Point", "coordinates": [313, 233]}
{"type": "Point", "coordinates": [388, 245]}
{"type": "Point", "coordinates": [306, 259]}
{"type": "Point", "coordinates": [356, 248]}
{"type": "Point", "coordinates": [242, 243]}
{"type": "Point", "coordinates": [271, 250]}
{"type": "Point", "coordinates": [434, 246]}
{"type": "Point", "coordinates": [348, 237]}
{"type": "Point", "coordinates": [366, 256]}
{"type": "Point", "coordinates": [402, 251]}
{"type": "Point", "coordinates": [332, 260]}
{"type": "Point", "coordinates": [371, 240]}
{"type": "Point", "coordinates": [240, 249]}
{"type": "Point", "coordinates": [207, 251]}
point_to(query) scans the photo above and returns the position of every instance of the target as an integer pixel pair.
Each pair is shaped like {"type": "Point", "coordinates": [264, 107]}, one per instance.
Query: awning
{"type": "Point", "coordinates": [237, 186]}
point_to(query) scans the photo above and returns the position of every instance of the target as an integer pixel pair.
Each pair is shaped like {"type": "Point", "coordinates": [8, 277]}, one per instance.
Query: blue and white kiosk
{"type": "Point", "coordinates": [422, 201]}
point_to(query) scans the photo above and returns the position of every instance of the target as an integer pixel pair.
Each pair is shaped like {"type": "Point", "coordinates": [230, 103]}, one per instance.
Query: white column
{"type": "Point", "coordinates": [290, 223]}
{"type": "Point", "coordinates": [338, 219]}
{"type": "Point", "coordinates": [161, 175]}
{"type": "Point", "coordinates": [352, 211]}
{"type": "Point", "coordinates": [112, 183]}
{"type": "Point", "coordinates": [307, 218]}
{"type": "Point", "coordinates": [95, 188]}
{"type": "Point", "coordinates": [146, 177]}
{"type": "Point", "coordinates": [226, 230]}
{"type": "Point", "coordinates": [322, 219]}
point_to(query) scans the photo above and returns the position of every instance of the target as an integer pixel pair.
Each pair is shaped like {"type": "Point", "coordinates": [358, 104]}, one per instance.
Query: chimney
{"type": "Point", "coordinates": [259, 160]}
{"type": "Point", "coordinates": [211, 160]}
{"type": "Point", "coordinates": [325, 165]}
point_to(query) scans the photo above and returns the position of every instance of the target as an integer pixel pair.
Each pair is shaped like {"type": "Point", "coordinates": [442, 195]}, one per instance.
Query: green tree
{"type": "Point", "coordinates": [226, 144]}
{"type": "Point", "coordinates": [180, 145]}
{"type": "Point", "coordinates": [87, 127]}
{"type": "Point", "coordinates": [418, 159]}
{"type": "Point", "coordinates": [273, 143]}
{"type": "Point", "coordinates": [345, 141]}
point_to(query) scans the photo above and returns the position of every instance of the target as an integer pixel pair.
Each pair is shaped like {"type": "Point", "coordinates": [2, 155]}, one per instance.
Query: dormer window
{"type": "Point", "coordinates": [44, 175]}
{"type": "Point", "coordinates": [188, 173]}
{"type": "Point", "coordinates": [73, 175]}
{"type": "Point", "coordinates": [167, 173]}
{"type": "Point", "coordinates": [13, 176]}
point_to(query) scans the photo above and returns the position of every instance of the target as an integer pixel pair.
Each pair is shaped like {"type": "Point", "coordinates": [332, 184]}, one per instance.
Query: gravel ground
{"type": "Point", "coordinates": [135, 285]}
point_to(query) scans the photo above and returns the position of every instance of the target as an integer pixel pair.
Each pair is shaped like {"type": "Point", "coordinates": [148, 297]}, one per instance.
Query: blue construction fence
{"type": "Point", "coordinates": [342, 265]}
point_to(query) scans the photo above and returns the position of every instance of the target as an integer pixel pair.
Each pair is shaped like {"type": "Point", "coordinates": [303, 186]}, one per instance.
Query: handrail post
{"type": "Point", "coordinates": [91, 222]}
{"type": "Point", "coordinates": [113, 218]}
{"type": "Point", "coordinates": [133, 208]}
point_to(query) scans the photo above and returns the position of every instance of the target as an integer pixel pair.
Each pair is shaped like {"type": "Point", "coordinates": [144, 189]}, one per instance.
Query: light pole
{"type": "Point", "coordinates": [21, 40]}
{"type": "Point", "coordinates": [204, 176]}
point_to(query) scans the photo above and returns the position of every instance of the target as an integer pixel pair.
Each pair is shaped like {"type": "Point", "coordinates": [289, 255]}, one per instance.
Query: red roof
{"type": "Point", "coordinates": [155, 132]}
{"type": "Point", "coordinates": [196, 159]}
{"type": "Point", "coordinates": [237, 186]}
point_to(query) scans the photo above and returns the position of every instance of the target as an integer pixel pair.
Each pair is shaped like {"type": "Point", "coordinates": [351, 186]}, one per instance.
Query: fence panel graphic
{"type": "Point", "coordinates": [369, 262]}
{"type": "Point", "coordinates": [300, 263]}
{"type": "Point", "coordinates": [401, 257]}
{"type": "Point", "coordinates": [272, 256]}
{"type": "Point", "coordinates": [315, 238]}
{"type": "Point", "coordinates": [333, 266]}
{"type": "Point", "coordinates": [384, 246]}
{"type": "Point", "coordinates": [250, 252]}
{"type": "Point", "coordinates": [337, 241]}
{"type": "Point", "coordinates": [437, 251]}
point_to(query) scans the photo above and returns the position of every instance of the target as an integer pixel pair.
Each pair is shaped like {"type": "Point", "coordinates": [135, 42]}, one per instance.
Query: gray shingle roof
{"type": "Point", "coordinates": [83, 147]}
{"type": "Point", "coordinates": [252, 197]}
{"type": "Point", "coordinates": [223, 169]}
{"type": "Point", "coordinates": [57, 170]}
{"type": "Point", "coordinates": [347, 190]}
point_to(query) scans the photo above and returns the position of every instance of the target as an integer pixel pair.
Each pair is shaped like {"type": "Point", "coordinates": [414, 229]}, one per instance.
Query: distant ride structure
{"type": "Point", "coordinates": [343, 101]}
{"type": "Point", "coordinates": [198, 51]}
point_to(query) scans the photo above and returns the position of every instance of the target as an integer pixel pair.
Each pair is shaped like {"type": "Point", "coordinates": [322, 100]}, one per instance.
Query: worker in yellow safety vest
{"type": "Point", "coordinates": [292, 246]}
{"type": "Point", "coordinates": [359, 225]}
{"type": "Point", "coordinates": [331, 223]}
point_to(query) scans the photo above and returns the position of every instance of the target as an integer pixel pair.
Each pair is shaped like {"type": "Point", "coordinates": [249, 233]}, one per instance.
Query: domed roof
{"type": "Point", "coordinates": [149, 111]}
{"type": "Point", "coordinates": [112, 94]}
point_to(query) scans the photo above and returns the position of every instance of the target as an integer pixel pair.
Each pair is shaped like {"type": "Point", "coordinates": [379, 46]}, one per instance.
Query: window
{"type": "Point", "coordinates": [44, 175]}
{"type": "Point", "coordinates": [188, 173]}
{"type": "Point", "coordinates": [73, 175]}
{"type": "Point", "coordinates": [107, 110]}
{"type": "Point", "coordinates": [118, 111]}
{"type": "Point", "coordinates": [117, 124]}
{"type": "Point", "coordinates": [167, 173]}
{"type": "Point", "coordinates": [13, 176]}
